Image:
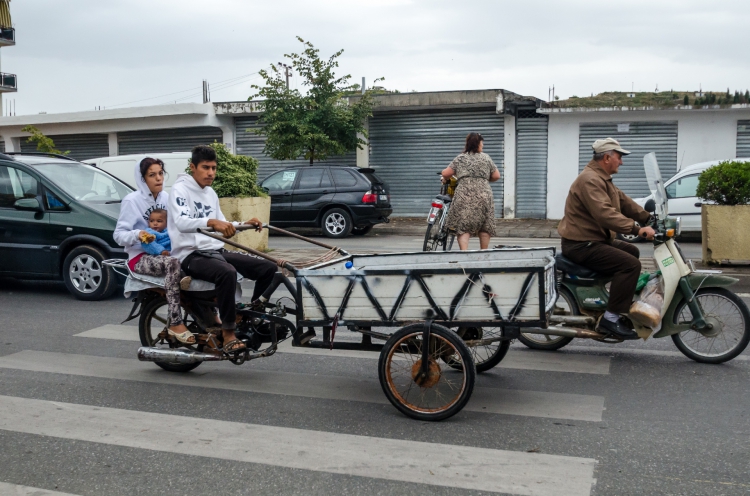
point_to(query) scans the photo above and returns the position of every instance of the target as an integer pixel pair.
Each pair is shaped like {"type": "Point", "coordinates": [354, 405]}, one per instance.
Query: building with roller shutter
{"type": "Point", "coordinates": [412, 136]}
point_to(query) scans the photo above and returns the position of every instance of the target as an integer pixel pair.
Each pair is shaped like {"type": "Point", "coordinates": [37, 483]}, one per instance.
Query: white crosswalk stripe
{"type": "Point", "coordinates": [526, 360]}
{"type": "Point", "coordinates": [487, 400]}
{"type": "Point", "coordinates": [449, 466]}
{"type": "Point", "coordinates": [16, 490]}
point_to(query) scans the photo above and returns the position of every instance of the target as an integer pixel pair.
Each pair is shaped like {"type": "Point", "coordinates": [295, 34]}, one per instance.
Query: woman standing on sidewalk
{"type": "Point", "coordinates": [472, 211]}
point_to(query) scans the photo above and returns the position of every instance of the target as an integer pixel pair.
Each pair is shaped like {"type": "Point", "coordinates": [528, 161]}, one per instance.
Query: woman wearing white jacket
{"type": "Point", "coordinates": [131, 227]}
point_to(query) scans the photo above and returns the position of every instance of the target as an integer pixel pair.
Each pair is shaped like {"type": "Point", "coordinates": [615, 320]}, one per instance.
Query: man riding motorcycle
{"type": "Point", "coordinates": [595, 211]}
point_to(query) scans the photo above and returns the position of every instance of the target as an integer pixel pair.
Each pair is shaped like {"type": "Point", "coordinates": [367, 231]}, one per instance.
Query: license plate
{"type": "Point", "coordinates": [384, 197]}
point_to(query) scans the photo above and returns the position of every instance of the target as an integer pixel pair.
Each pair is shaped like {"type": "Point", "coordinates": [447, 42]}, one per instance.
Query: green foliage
{"type": "Point", "coordinates": [727, 183]}
{"type": "Point", "coordinates": [236, 175]}
{"type": "Point", "coordinates": [315, 125]}
{"type": "Point", "coordinates": [44, 143]}
{"type": "Point", "coordinates": [686, 100]}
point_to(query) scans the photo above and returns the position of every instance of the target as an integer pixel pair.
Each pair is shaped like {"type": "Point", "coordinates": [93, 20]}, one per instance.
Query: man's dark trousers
{"type": "Point", "coordinates": [224, 276]}
{"type": "Point", "coordinates": [618, 259]}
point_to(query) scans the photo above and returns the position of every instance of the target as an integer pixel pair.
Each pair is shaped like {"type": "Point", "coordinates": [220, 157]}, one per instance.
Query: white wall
{"type": "Point", "coordinates": [703, 135]}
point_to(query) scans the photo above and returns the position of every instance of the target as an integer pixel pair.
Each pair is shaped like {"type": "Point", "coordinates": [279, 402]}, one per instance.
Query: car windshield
{"type": "Point", "coordinates": [684, 187]}
{"type": "Point", "coordinates": [84, 182]}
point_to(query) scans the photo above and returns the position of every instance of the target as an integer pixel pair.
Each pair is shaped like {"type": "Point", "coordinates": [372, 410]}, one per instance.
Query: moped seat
{"type": "Point", "coordinates": [565, 265]}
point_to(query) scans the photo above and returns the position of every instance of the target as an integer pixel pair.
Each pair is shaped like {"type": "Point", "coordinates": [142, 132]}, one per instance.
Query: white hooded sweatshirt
{"type": "Point", "coordinates": [134, 211]}
{"type": "Point", "coordinates": [190, 208]}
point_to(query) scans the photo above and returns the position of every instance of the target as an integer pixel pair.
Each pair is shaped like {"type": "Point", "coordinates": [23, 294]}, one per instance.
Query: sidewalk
{"type": "Point", "coordinates": [506, 228]}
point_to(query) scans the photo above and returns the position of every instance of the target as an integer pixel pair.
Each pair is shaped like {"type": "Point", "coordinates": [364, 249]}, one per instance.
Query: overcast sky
{"type": "Point", "coordinates": [78, 54]}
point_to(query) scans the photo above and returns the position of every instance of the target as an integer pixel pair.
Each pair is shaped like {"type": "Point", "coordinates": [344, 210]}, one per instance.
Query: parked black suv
{"type": "Point", "coordinates": [339, 200]}
{"type": "Point", "coordinates": [57, 217]}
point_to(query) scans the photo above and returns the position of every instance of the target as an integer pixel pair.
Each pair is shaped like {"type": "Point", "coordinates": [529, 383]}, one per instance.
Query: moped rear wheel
{"type": "Point", "coordinates": [731, 327]}
{"type": "Point", "coordinates": [567, 305]}
{"type": "Point", "coordinates": [154, 319]}
{"type": "Point", "coordinates": [444, 391]}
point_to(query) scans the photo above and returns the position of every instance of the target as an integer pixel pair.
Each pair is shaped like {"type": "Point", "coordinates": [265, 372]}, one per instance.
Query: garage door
{"type": "Point", "coordinates": [531, 165]}
{"type": "Point", "coordinates": [408, 149]}
{"type": "Point", "coordinates": [80, 146]}
{"type": "Point", "coordinates": [251, 144]}
{"type": "Point", "coordinates": [167, 140]}
{"type": "Point", "coordinates": [743, 139]}
{"type": "Point", "coordinates": [639, 138]}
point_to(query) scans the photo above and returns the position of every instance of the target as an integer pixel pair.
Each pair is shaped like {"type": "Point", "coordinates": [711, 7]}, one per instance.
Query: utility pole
{"type": "Point", "coordinates": [206, 93]}
{"type": "Point", "coordinates": [363, 85]}
{"type": "Point", "coordinates": [287, 72]}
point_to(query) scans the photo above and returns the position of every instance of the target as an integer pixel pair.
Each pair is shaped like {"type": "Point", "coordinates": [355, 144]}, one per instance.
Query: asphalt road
{"type": "Point", "coordinates": [80, 415]}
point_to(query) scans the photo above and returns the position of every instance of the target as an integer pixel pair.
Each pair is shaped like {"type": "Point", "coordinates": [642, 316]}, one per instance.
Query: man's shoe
{"type": "Point", "coordinates": [616, 329]}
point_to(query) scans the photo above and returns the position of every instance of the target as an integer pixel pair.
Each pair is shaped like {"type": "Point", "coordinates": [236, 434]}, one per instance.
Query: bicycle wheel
{"type": "Point", "coordinates": [565, 305]}
{"type": "Point", "coordinates": [433, 238]}
{"type": "Point", "coordinates": [730, 334]}
{"type": "Point", "coordinates": [485, 356]}
{"type": "Point", "coordinates": [154, 319]}
{"type": "Point", "coordinates": [444, 391]}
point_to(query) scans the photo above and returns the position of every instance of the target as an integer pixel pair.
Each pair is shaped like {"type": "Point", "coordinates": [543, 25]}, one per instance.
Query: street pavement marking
{"type": "Point", "coordinates": [480, 469]}
{"type": "Point", "coordinates": [639, 351]}
{"type": "Point", "coordinates": [523, 360]}
{"type": "Point", "coordinates": [15, 490]}
{"type": "Point", "coordinates": [220, 376]}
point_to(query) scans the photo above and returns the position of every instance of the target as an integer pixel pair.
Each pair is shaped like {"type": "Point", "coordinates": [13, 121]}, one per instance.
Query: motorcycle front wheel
{"type": "Point", "coordinates": [731, 327]}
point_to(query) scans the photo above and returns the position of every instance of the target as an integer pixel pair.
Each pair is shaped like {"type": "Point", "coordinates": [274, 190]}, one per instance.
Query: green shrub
{"type": "Point", "coordinates": [236, 175]}
{"type": "Point", "coordinates": [727, 183]}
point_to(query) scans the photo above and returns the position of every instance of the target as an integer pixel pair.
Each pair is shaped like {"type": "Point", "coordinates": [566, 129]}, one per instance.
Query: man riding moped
{"type": "Point", "coordinates": [595, 211]}
{"type": "Point", "coordinates": [193, 205]}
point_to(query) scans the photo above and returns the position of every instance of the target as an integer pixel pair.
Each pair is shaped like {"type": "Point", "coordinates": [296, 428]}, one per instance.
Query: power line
{"type": "Point", "coordinates": [216, 88]}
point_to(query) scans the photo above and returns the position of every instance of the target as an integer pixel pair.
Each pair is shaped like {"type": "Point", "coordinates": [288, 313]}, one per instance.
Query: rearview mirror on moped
{"type": "Point", "coordinates": [650, 206]}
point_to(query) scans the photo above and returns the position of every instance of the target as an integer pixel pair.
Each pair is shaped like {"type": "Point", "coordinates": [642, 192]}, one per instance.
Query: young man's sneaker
{"type": "Point", "coordinates": [616, 329]}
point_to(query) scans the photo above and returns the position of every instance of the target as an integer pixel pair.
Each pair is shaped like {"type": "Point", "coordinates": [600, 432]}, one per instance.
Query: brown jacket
{"type": "Point", "coordinates": [596, 209]}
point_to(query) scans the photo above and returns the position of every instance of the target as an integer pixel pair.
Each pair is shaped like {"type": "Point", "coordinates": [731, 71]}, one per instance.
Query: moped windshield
{"type": "Point", "coordinates": [656, 184]}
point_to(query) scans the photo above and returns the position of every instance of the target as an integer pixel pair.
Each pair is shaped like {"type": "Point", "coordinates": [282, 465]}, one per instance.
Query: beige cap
{"type": "Point", "coordinates": [608, 144]}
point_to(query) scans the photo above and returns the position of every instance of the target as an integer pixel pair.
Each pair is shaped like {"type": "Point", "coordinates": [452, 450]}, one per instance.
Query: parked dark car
{"type": "Point", "coordinates": [339, 200]}
{"type": "Point", "coordinates": [57, 217]}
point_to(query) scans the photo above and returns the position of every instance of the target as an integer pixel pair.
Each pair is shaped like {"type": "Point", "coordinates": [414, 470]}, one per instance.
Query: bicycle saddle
{"type": "Point", "coordinates": [445, 198]}
{"type": "Point", "coordinates": [573, 269]}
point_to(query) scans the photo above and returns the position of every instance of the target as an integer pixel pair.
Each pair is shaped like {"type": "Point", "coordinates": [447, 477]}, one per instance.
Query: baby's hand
{"type": "Point", "coordinates": [146, 237]}
{"type": "Point", "coordinates": [165, 253]}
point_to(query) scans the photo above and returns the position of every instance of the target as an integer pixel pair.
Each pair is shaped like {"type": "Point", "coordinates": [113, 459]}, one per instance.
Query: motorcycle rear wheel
{"type": "Point", "coordinates": [724, 307]}
{"type": "Point", "coordinates": [551, 343]}
{"type": "Point", "coordinates": [153, 320]}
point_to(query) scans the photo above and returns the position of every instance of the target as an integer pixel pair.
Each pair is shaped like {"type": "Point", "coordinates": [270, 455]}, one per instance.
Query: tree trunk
{"type": "Point", "coordinates": [312, 155]}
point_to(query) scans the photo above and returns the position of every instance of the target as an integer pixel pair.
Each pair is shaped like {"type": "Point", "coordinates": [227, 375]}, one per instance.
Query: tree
{"type": "Point", "coordinates": [43, 143]}
{"type": "Point", "coordinates": [315, 125]}
{"type": "Point", "coordinates": [686, 100]}
{"type": "Point", "coordinates": [236, 175]}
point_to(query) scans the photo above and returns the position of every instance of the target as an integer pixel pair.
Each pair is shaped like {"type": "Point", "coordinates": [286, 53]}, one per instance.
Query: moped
{"type": "Point", "coordinates": [707, 322]}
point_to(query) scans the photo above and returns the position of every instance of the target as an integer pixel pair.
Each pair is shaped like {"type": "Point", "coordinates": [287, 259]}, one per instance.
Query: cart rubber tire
{"type": "Point", "coordinates": [400, 338]}
{"type": "Point", "coordinates": [558, 341]}
{"type": "Point", "coordinates": [89, 258]}
{"type": "Point", "coordinates": [743, 340]}
{"type": "Point", "coordinates": [144, 332]}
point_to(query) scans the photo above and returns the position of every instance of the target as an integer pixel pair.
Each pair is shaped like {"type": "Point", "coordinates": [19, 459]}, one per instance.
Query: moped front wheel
{"type": "Point", "coordinates": [565, 305]}
{"type": "Point", "coordinates": [730, 332]}
{"type": "Point", "coordinates": [154, 320]}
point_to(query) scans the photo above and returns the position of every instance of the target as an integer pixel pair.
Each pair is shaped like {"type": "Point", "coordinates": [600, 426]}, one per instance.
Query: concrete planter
{"type": "Point", "coordinates": [726, 238]}
{"type": "Point", "coordinates": [243, 209]}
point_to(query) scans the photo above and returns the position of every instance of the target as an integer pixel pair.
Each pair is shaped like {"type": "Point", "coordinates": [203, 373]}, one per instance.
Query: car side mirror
{"type": "Point", "coordinates": [650, 206]}
{"type": "Point", "coordinates": [31, 204]}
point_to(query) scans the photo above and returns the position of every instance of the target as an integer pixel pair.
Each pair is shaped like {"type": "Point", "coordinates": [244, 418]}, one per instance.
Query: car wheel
{"type": "Point", "coordinates": [85, 276]}
{"type": "Point", "coordinates": [630, 238]}
{"type": "Point", "coordinates": [361, 231]}
{"type": "Point", "coordinates": [336, 223]}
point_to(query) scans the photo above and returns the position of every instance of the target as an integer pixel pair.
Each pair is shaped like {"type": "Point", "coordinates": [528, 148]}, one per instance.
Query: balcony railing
{"type": "Point", "coordinates": [7, 36]}
{"type": "Point", "coordinates": [8, 82]}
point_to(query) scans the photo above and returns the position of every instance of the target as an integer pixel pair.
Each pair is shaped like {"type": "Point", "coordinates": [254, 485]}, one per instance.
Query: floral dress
{"type": "Point", "coordinates": [473, 209]}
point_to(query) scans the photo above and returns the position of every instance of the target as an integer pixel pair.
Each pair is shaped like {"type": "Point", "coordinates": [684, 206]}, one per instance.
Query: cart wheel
{"type": "Point", "coordinates": [485, 356]}
{"type": "Point", "coordinates": [153, 320]}
{"type": "Point", "coordinates": [444, 391]}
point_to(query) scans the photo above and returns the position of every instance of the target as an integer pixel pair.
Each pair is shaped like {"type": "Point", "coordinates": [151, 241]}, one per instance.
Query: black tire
{"type": "Point", "coordinates": [551, 343]}
{"type": "Point", "coordinates": [361, 231]}
{"type": "Point", "coordinates": [336, 223]}
{"type": "Point", "coordinates": [151, 324]}
{"type": "Point", "coordinates": [630, 238]}
{"type": "Point", "coordinates": [486, 356]}
{"type": "Point", "coordinates": [728, 309]}
{"type": "Point", "coordinates": [85, 276]}
{"type": "Point", "coordinates": [400, 384]}
{"type": "Point", "coordinates": [433, 241]}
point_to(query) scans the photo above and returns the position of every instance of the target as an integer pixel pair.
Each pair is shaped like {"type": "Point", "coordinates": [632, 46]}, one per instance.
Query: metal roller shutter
{"type": "Point", "coordinates": [639, 138]}
{"type": "Point", "coordinates": [743, 139]}
{"type": "Point", "coordinates": [251, 144]}
{"type": "Point", "coordinates": [80, 146]}
{"type": "Point", "coordinates": [181, 139]}
{"type": "Point", "coordinates": [2, 145]}
{"type": "Point", "coordinates": [408, 149]}
{"type": "Point", "coordinates": [531, 165]}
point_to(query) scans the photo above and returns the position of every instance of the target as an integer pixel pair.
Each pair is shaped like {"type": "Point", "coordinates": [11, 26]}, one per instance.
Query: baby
{"type": "Point", "coordinates": [155, 239]}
